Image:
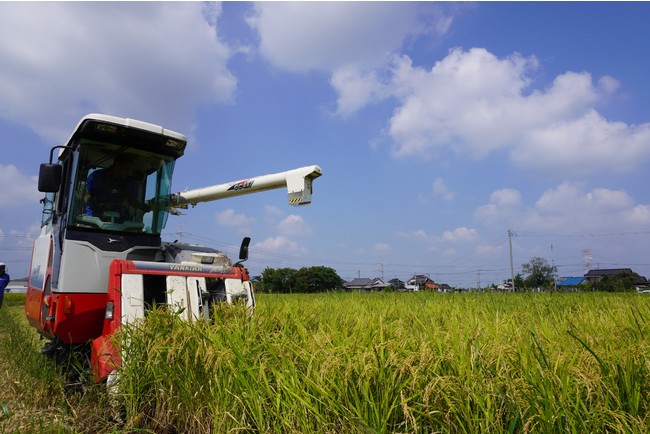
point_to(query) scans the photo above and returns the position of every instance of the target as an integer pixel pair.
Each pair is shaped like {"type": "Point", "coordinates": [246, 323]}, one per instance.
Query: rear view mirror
{"type": "Point", "coordinates": [243, 250]}
{"type": "Point", "coordinates": [49, 177]}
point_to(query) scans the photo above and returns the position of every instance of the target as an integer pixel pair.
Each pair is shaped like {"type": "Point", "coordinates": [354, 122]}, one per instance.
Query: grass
{"type": "Point", "coordinates": [35, 396]}
{"type": "Point", "coordinates": [381, 363]}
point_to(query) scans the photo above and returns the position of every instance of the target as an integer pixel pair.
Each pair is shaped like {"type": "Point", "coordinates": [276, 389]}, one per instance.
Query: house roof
{"type": "Point", "coordinates": [362, 282]}
{"type": "Point", "coordinates": [601, 272]}
{"type": "Point", "coordinates": [359, 281]}
{"type": "Point", "coordinates": [570, 281]}
{"type": "Point", "coordinates": [604, 272]}
{"type": "Point", "coordinates": [420, 279]}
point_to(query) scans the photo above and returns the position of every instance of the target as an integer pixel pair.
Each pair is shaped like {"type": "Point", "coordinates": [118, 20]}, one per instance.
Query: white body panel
{"type": "Point", "coordinates": [40, 258]}
{"type": "Point", "coordinates": [84, 268]}
{"type": "Point", "coordinates": [298, 183]}
{"type": "Point", "coordinates": [183, 296]}
{"type": "Point", "coordinates": [133, 123]}
{"type": "Point", "coordinates": [132, 298]}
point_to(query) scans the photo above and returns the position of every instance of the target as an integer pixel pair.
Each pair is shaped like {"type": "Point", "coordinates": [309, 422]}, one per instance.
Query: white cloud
{"type": "Point", "coordinates": [500, 207]}
{"type": "Point", "coordinates": [302, 36]}
{"type": "Point", "coordinates": [440, 189]}
{"type": "Point", "coordinates": [567, 208]}
{"type": "Point", "coordinates": [23, 189]}
{"type": "Point", "coordinates": [354, 41]}
{"type": "Point", "coordinates": [506, 197]}
{"type": "Point", "coordinates": [69, 59]}
{"type": "Point", "coordinates": [280, 244]}
{"type": "Point", "coordinates": [461, 234]}
{"type": "Point", "coordinates": [418, 234]}
{"type": "Point", "coordinates": [381, 248]}
{"type": "Point", "coordinates": [475, 103]}
{"type": "Point", "coordinates": [357, 88]}
{"type": "Point", "coordinates": [228, 217]}
{"type": "Point", "coordinates": [273, 211]}
{"type": "Point", "coordinates": [585, 145]}
{"type": "Point", "coordinates": [570, 195]}
{"type": "Point", "coordinates": [638, 216]}
{"type": "Point", "coordinates": [294, 225]}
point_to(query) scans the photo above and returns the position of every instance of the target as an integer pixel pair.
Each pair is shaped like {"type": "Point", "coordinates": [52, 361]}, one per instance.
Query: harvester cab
{"type": "Point", "coordinates": [99, 260]}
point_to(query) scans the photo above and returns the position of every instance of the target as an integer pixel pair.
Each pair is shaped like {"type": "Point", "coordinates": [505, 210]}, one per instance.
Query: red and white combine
{"type": "Point", "coordinates": [92, 272]}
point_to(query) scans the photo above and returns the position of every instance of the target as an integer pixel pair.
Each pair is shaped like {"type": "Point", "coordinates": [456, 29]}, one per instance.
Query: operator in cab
{"type": "Point", "coordinates": [112, 189]}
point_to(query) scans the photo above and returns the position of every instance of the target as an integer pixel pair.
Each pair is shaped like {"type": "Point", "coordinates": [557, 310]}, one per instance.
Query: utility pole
{"type": "Point", "coordinates": [553, 264]}
{"type": "Point", "coordinates": [512, 268]}
{"type": "Point", "coordinates": [478, 279]}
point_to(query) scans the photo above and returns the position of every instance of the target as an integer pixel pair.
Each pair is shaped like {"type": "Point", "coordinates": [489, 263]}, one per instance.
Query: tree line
{"type": "Point", "coordinates": [537, 273]}
{"type": "Point", "coordinates": [304, 280]}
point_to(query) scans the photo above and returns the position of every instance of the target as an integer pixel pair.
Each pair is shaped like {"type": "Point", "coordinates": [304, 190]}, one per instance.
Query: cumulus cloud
{"type": "Point", "coordinates": [474, 103]}
{"type": "Point", "coordinates": [457, 235]}
{"type": "Point", "coordinates": [294, 225]}
{"type": "Point", "coordinates": [440, 189]}
{"type": "Point", "coordinates": [501, 205]}
{"type": "Point", "coordinates": [471, 102]}
{"type": "Point", "coordinates": [381, 248]}
{"type": "Point", "coordinates": [68, 59]}
{"type": "Point", "coordinates": [357, 88]}
{"type": "Point", "coordinates": [280, 244]}
{"type": "Point", "coordinates": [23, 188]}
{"type": "Point", "coordinates": [506, 197]}
{"type": "Point", "coordinates": [229, 217]}
{"type": "Point", "coordinates": [352, 41]}
{"type": "Point", "coordinates": [567, 208]}
{"type": "Point", "coordinates": [418, 235]}
{"type": "Point", "coordinates": [585, 145]}
{"type": "Point", "coordinates": [302, 36]}
{"type": "Point", "coordinates": [461, 234]}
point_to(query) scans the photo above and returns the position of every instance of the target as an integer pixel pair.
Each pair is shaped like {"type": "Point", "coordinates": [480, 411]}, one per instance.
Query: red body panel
{"type": "Point", "coordinates": [74, 318]}
{"type": "Point", "coordinates": [105, 354]}
{"type": "Point", "coordinates": [78, 317]}
{"type": "Point", "coordinates": [33, 304]}
{"type": "Point", "coordinates": [104, 357]}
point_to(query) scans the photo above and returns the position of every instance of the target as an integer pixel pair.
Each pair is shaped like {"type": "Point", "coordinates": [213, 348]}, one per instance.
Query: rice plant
{"type": "Point", "coordinates": [387, 362]}
{"type": "Point", "coordinates": [355, 363]}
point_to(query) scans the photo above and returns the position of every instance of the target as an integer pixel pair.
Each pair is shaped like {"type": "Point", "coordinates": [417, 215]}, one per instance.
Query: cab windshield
{"type": "Point", "coordinates": [120, 189]}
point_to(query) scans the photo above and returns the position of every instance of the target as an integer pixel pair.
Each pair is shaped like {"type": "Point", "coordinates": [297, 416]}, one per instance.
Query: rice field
{"type": "Point", "coordinates": [390, 363]}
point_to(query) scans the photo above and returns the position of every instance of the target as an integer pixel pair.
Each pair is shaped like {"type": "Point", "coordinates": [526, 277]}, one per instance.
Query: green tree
{"type": "Point", "coordinates": [625, 280]}
{"type": "Point", "coordinates": [317, 279]}
{"type": "Point", "coordinates": [306, 280]}
{"type": "Point", "coordinates": [259, 284]}
{"type": "Point", "coordinates": [278, 280]}
{"type": "Point", "coordinates": [538, 273]}
{"type": "Point", "coordinates": [519, 281]}
{"type": "Point", "coordinates": [396, 284]}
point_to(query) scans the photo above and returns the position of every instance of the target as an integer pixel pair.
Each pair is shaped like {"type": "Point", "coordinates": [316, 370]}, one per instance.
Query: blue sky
{"type": "Point", "coordinates": [438, 126]}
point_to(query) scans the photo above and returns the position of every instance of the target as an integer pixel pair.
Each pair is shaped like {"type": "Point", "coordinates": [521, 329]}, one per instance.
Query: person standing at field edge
{"type": "Point", "coordinates": [4, 281]}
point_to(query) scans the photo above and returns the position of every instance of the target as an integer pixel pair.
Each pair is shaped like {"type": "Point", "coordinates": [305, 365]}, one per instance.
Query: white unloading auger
{"type": "Point", "coordinates": [298, 183]}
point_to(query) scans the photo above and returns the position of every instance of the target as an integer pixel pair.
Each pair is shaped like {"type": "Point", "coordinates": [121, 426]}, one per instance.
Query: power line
{"type": "Point", "coordinates": [583, 235]}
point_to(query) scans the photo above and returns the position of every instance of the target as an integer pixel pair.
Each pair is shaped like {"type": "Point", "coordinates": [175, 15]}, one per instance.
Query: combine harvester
{"type": "Point", "coordinates": [100, 264]}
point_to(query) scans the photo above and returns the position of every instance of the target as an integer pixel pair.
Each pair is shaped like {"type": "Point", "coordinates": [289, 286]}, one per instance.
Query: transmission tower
{"type": "Point", "coordinates": [180, 232]}
{"type": "Point", "coordinates": [586, 258]}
